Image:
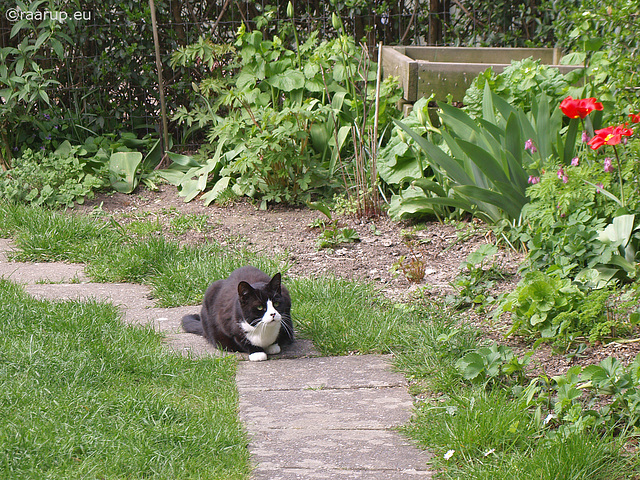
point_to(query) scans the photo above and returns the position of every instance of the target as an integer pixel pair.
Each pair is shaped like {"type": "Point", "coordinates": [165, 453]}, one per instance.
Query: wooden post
{"type": "Point", "coordinates": [163, 109]}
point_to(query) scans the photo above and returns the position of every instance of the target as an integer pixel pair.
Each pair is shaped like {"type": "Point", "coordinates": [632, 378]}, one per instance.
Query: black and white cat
{"type": "Point", "coordinates": [247, 312]}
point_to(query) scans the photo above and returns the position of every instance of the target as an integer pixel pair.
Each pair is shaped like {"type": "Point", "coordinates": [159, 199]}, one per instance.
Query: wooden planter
{"type": "Point", "coordinates": [450, 70]}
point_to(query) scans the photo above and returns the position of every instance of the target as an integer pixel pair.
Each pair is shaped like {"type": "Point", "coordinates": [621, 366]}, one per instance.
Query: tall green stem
{"type": "Point", "coordinates": [615, 150]}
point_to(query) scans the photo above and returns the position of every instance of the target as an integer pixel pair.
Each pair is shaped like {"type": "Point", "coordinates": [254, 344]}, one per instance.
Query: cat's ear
{"type": "Point", "coordinates": [275, 283]}
{"type": "Point", "coordinates": [244, 289]}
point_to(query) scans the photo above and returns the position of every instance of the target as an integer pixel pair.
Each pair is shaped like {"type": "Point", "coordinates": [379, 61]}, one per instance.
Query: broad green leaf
{"type": "Point", "coordinates": [221, 185]}
{"type": "Point", "coordinates": [569, 141]}
{"type": "Point", "coordinates": [491, 197]}
{"type": "Point", "coordinates": [183, 160]}
{"type": "Point", "coordinates": [619, 231]}
{"type": "Point", "coordinates": [153, 158]}
{"type": "Point", "coordinates": [512, 140]}
{"type": "Point", "coordinates": [471, 365]}
{"type": "Point", "coordinates": [122, 170]}
{"type": "Point", "coordinates": [435, 155]}
{"type": "Point", "coordinates": [430, 186]}
{"type": "Point", "coordinates": [57, 47]}
{"type": "Point", "coordinates": [488, 112]}
{"type": "Point", "coordinates": [321, 207]}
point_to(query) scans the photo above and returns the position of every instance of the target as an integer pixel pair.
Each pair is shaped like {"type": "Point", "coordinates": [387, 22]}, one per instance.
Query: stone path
{"type": "Point", "coordinates": [308, 417]}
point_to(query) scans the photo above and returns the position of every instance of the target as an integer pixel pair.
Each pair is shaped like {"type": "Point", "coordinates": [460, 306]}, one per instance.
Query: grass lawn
{"type": "Point", "coordinates": [83, 395]}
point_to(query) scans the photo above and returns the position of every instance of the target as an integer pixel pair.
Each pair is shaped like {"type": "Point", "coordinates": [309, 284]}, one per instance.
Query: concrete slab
{"type": "Point", "coordinates": [54, 272]}
{"type": "Point", "coordinates": [121, 294]}
{"type": "Point", "coordinates": [363, 371]}
{"type": "Point", "coordinates": [353, 409]}
{"type": "Point", "coordinates": [333, 418]}
{"type": "Point", "coordinates": [262, 473]}
{"type": "Point", "coordinates": [335, 449]}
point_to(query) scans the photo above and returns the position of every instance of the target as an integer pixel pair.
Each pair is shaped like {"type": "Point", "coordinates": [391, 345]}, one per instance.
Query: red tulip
{"type": "Point", "coordinates": [579, 107]}
{"type": "Point", "coordinates": [609, 136]}
{"type": "Point", "coordinates": [635, 117]}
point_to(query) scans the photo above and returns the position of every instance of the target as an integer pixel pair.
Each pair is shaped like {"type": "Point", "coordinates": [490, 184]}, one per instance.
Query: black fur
{"type": "Point", "coordinates": [240, 297]}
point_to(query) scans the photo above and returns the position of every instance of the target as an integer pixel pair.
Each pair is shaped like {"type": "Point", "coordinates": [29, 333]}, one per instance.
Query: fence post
{"type": "Point", "coordinates": [163, 109]}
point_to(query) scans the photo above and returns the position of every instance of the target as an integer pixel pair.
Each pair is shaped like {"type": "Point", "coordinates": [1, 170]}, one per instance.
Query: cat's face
{"type": "Point", "coordinates": [262, 311]}
{"type": "Point", "coordinates": [262, 305]}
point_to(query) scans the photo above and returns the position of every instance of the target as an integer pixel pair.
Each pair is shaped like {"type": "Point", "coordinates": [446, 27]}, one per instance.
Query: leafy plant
{"type": "Point", "coordinates": [494, 363]}
{"type": "Point", "coordinates": [487, 160]}
{"type": "Point", "coordinates": [477, 276]}
{"type": "Point", "coordinates": [602, 396]}
{"type": "Point", "coordinates": [556, 309]}
{"type": "Point", "coordinates": [61, 178]}
{"type": "Point", "coordinates": [281, 122]}
{"type": "Point", "coordinates": [23, 79]}
{"type": "Point", "coordinates": [332, 234]}
{"type": "Point", "coordinates": [519, 84]}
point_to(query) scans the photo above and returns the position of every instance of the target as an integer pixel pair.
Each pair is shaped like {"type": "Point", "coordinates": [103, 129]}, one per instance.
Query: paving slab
{"type": "Point", "coordinates": [42, 272]}
{"type": "Point", "coordinates": [355, 409]}
{"type": "Point", "coordinates": [335, 449]}
{"type": "Point", "coordinates": [278, 473]}
{"type": "Point", "coordinates": [336, 417]}
{"type": "Point", "coordinates": [358, 371]}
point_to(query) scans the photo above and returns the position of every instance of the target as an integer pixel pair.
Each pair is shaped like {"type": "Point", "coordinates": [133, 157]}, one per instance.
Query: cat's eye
{"type": "Point", "coordinates": [260, 308]}
{"type": "Point", "coordinates": [276, 304]}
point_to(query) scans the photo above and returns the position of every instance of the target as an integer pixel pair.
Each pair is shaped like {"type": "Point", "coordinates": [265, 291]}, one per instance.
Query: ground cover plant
{"type": "Point", "coordinates": [82, 395]}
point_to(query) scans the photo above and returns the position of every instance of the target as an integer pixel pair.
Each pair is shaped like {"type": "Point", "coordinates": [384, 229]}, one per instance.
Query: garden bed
{"type": "Point", "coordinates": [286, 232]}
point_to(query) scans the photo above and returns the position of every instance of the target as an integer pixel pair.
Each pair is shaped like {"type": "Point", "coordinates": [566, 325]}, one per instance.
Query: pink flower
{"type": "Point", "coordinates": [565, 179]}
{"type": "Point", "coordinates": [585, 137]}
{"type": "Point", "coordinates": [575, 161]}
{"type": "Point", "coordinates": [533, 180]}
{"type": "Point", "coordinates": [528, 145]}
{"type": "Point", "coordinates": [599, 186]}
{"type": "Point", "coordinates": [560, 173]}
{"type": "Point", "coordinates": [608, 165]}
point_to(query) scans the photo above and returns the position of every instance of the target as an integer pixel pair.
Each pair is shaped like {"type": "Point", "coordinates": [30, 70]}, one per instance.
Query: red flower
{"type": "Point", "coordinates": [609, 136]}
{"type": "Point", "coordinates": [579, 107]}
{"type": "Point", "coordinates": [635, 117]}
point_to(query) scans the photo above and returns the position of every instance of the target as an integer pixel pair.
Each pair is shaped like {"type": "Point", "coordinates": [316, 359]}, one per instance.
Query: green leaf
{"type": "Point", "coordinates": [153, 158]}
{"type": "Point", "coordinates": [287, 81]}
{"type": "Point", "coordinates": [570, 141]}
{"type": "Point", "coordinates": [122, 170]}
{"type": "Point", "coordinates": [488, 196]}
{"type": "Point", "coordinates": [183, 160]}
{"type": "Point", "coordinates": [57, 48]}
{"type": "Point", "coordinates": [436, 156]}
{"type": "Point", "coordinates": [471, 365]}
{"type": "Point", "coordinates": [221, 185]}
{"type": "Point", "coordinates": [321, 207]}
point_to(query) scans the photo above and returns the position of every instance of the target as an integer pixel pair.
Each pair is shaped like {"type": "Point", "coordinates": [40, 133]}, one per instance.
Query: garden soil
{"type": "Point", "coordinates": [288, 233]}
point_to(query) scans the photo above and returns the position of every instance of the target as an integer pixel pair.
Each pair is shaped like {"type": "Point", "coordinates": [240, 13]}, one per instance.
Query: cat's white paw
{"type": "Point", "coordinates": [257, 357]}
{"type": "Point", "coordinates": [273, 349]}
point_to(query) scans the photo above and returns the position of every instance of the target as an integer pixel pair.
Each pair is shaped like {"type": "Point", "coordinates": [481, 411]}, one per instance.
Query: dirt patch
{"type": "Point", "coordinates": [286, 231]}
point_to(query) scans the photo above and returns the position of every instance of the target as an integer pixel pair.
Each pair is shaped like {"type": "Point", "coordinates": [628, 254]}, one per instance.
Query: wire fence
{"type": "Point", "coordinates": [108, 78]}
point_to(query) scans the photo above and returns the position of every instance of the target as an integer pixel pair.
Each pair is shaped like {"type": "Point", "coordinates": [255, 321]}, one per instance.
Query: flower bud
{"type": "Point", "coordinates": [336, 21]}
{"type": "Point", "coordinates": [290, 10]}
